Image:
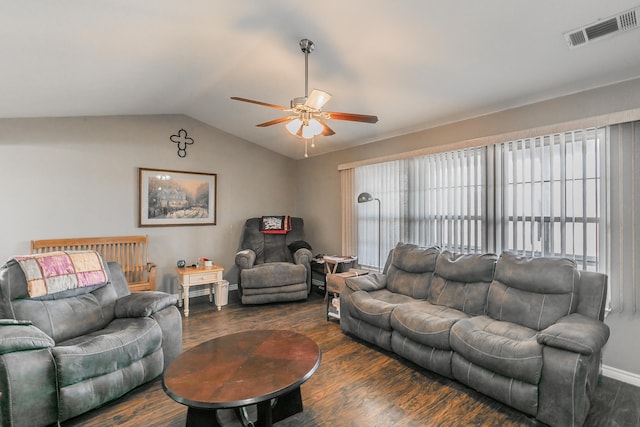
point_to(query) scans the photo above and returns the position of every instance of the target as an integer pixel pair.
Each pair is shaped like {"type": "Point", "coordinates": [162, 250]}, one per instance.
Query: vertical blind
{"type": "Point", "coordinates": [549, 196]}
{"type": "Point", "coordinates": [446, 200]}
{"type": "Point", "coordinates": [539, 197]}
{"type": "Point", "coordinates": [428, 200]}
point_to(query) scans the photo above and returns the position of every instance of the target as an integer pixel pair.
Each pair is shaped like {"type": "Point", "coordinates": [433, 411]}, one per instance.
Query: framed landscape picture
{"type": "Point", "coordinates": [176, 198]}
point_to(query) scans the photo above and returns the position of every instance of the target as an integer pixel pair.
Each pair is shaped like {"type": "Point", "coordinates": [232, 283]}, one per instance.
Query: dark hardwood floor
{"type": "Point", "coordinates": [355, 385]}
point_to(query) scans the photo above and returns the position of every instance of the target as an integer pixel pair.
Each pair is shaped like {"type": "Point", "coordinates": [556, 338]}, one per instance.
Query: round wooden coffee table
{"type": "Point", "coordinates": [241, 369]}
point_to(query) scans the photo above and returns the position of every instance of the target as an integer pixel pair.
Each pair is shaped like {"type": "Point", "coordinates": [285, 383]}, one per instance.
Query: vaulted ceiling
{"type": "Point", "coordinates": [413, 63]}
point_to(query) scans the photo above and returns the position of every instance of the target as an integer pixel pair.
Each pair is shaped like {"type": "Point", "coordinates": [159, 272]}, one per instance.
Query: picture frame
{"type": "Point", "coordinates": [174, 198]}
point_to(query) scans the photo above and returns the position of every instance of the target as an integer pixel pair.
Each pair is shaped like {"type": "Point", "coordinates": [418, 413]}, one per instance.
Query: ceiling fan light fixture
{"type": "Point", "coordinates": [307, 132]}
{"type": "Point", "coordinates": [294, 126]}
{"type": "Point", "coordinates": [315, 127]}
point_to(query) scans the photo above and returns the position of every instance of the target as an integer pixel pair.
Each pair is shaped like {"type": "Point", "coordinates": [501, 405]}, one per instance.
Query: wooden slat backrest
{"type": "Point", "coordinates": [131, 252]}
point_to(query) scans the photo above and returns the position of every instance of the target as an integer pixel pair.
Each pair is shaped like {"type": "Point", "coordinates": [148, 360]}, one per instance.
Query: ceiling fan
{"type": "Point", "coordinates": [306, 118]}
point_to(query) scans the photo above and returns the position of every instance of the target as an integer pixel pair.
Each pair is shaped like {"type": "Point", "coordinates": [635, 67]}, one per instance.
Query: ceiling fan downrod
{"type": "Point", "coordinates": [307, 47]}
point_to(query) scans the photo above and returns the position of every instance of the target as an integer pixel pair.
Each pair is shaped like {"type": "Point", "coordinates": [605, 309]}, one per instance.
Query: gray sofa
{"type": "Point", "coordinates": [525, 331]}
{"type": "Point", "coordinates": [66, 353]}
{"type": "Point", "coordinates": [273, 267]}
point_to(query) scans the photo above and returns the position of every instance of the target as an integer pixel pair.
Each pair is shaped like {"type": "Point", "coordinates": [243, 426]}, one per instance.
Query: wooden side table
{"type": "Point", "coordinates": [192, 276]}
{"type": "Point", "coordinates": [337, 264]}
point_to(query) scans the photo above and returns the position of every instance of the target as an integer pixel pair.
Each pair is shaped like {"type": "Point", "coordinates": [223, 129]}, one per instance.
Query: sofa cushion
{"type": "Point", "coordinates": [273, 274]}
{"type": "Point", "coordinates": [375, 307]}
{"type": "Point", "coordinates": [506, 348]}
{"type": "Point", "coordinates": [65, 318]}
{"type": "Point", "coordinates": [426, 323]}
{"type": "Point", "coordinates": [461, 281]}
{"type": "Point", "coordinates": [411, 269]}
{"type": "Point", "coordinates": [533, 292]}
{"type": "Point", "coordinates": [121, 343]}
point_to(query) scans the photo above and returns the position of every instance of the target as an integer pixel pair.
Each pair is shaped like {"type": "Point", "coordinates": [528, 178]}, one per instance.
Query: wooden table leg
{"type": "Point", "coordinates": [186, 301]}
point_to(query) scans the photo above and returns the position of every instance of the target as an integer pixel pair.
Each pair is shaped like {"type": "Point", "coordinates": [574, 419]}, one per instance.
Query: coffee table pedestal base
{"type": "Point", "coordinates": [284, 407]}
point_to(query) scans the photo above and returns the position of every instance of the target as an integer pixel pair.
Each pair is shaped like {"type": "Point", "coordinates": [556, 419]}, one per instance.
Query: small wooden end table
{"type": "Point", "coordinates": [192, 276]}
{"type": "Point", "coordinates": [241, 369]}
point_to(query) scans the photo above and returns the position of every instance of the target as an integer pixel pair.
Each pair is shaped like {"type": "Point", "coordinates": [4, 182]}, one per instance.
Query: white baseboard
{"type": "Point", "coordinates": [620, 375]}
{"type": "Point", "coordinates": [203, 290]}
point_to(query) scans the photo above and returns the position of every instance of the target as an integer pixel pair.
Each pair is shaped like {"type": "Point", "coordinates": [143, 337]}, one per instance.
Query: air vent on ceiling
{"type": "Point", "coordinates": [623, 21]}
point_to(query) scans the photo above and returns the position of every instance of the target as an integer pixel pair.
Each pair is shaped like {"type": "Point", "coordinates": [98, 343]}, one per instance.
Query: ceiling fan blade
{"type": "Point", "coordinates": [326, 130]}
{"type": "Point", "coordinates": [364, 118]}
{"type": "Point", "coordinates": [317, 98]}
{"type": "Point", "coordinates": [277, 107]}
{"type": "Point", "coordinates": [275, 122]}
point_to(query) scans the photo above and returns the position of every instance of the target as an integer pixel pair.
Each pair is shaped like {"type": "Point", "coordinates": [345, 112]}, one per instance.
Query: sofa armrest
{"type": "Point", "coordinates": [143, 304]}
{"type": "Point", "coordinates": [367, 283]}
{"type": "Point", "coordinates": [576, 333]}
{"type": "Point", "coordinates": [18, 335]}
{"type": "Point", "coordinates": [302, 256]}
{"type": "Point", "coordinates": [245, 258]}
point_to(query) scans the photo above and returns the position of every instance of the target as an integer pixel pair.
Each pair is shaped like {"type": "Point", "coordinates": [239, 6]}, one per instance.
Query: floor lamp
{"type": "Point", "coordinates": [364, 198]}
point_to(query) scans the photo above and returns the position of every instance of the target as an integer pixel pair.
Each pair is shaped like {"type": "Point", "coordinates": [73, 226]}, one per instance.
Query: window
{"type": "Point", "coordinates": [537, 196]}
{"type": "Point", "coordinates": [428, 200]}
{"type": "Point", "coordinates": [548, 197]}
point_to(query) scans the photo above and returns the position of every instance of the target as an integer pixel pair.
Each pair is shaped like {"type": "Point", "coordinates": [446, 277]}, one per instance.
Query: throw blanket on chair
{"type": "Point", "coordinates": [275, 224]}
{"type": "Point", "coordinates": [53, 272]}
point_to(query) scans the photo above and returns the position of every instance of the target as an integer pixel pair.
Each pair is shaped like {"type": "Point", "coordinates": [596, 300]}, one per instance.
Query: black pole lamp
{"type": "Point", "coordinates": [364, 198]}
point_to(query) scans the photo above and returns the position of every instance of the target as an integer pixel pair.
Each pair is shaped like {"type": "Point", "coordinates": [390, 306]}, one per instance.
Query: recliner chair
{"type": "Point", "coordinates": [273, 267]}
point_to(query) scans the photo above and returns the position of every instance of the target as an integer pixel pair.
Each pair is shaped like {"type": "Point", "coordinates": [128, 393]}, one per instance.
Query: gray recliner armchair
{"type": "Point", "coordinates": [273, 267]}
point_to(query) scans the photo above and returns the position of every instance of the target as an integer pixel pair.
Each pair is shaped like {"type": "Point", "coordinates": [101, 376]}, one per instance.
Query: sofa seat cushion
{"type": "Point", "coordinates": [273, 274]}
{"type": "Point", "coordinates": [426, 323]}
{"type": "Point", "coordinates": [506, 348]}
{"type": "Point", "coordinates": [121, 343]}
{"type": "Point", "coordinates": [375, 307]}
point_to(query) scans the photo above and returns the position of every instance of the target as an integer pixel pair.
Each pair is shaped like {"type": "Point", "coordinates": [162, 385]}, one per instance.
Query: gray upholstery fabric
{"type": "Point", "coordinates": [273, 274]}
{"type": "Point", "coordinates": [533, 292]}
{"type": "Point", "coordinates": [505, 348]}
{"type": "Point", "coordinates": [593, 295]}
{"type": "Point", "coordinates": [83, 396]}
{"type": "Point", "coordinates": [265, 264]}
{"type": "Point", "coordinates": [461, 281]}
{"type": "Point", "coordinates": [576, 333]}
{"type": "Point", "coordinates": [411, 270]}
{"type": "Point", "coordinates": [376, 311]}
{"type": "Point", "coordinates": [428, 357]}
{"type": "Point", "coordinates": [143, 304]}
{"type": "Point", "coordinates": [368, 283]}
{"type": "Point", "coordinates": [517, 394]}
{"type": "Point", "coordinates": [425, 323]}
{"type": "Point", "coordinates": [527, 332]}
{"type": "Point", "coordinates": [29, 392]}
{"type": "Point", "coordinates": [115, 347]}
{"type": "Point", "coordinates": [23, 337]}
{"type": "Point", "coordinates": [566, 375]}
{"type": "Point", "coordinates": [76, 355]}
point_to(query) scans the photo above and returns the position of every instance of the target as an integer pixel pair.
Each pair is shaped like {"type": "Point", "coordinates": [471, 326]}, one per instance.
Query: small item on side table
{"type": "Point", "coordinates": [335, 285]}
{"type": "Point", "coordinates": [181, 263]}
{"type": "Point", "coordinates": [211, 276]}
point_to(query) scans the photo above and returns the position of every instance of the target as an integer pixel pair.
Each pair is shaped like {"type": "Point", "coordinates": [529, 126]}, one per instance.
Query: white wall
{"type": "Point", "coordinates": [319, 187]}
{"type": "Point", "coordinates": [78, 177]}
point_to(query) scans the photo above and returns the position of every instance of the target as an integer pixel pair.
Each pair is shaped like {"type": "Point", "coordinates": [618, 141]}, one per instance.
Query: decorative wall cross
{"type": "Point", "coordinates": [182, 140]}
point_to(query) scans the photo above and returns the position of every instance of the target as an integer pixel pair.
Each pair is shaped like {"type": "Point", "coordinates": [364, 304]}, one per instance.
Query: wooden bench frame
{"type": "Point", "coordinates": [131, 252]}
